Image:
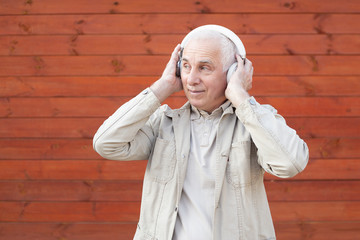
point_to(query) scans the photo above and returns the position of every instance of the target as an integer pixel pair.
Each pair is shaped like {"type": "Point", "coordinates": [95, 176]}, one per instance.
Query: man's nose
{"type": "Point", "coordinates": [193, 77]}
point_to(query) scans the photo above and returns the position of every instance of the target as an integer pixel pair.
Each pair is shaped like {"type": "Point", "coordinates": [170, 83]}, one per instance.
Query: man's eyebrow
{"type": "Point", "coordinates": [206, 62]}
{"type": "Point", "coordinates": [201, 62]}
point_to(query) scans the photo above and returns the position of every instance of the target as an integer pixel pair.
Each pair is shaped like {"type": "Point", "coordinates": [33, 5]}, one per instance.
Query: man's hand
{"type": "Point", "coordinates": [168, 83]}
{"type": "Point", "coordinates": [240, 82]}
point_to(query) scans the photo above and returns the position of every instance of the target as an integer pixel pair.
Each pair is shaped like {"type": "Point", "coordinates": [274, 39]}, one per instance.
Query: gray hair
{"type": "Point", "coordinates": [228, 48]}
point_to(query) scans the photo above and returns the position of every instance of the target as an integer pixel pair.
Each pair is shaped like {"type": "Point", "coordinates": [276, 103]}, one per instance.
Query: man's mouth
{"type": "Point", "coordinates": [195, 91]}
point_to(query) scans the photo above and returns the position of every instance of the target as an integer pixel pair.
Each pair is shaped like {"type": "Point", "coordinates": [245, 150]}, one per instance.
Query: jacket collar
{"type": "Point", "coordinates": [227, 108]}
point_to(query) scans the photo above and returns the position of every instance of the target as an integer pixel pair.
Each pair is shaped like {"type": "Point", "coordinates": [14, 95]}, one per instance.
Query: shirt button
{"type": "Point", "coordinates": [252, 101]}
{"type": "Point", "coordinates": [146, 92]}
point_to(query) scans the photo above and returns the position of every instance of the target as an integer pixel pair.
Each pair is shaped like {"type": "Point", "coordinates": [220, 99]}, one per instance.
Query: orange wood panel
{"type": "Point", "coordinates": [129, 211]}
{"type": "Point", "coordinates": [80, 170]}
{"type": "Point", "coordinates": [49, 127]}
{"type": "Point", "coordinates": [317, 230]}
{"type": "Point", "coordinates": [104, 107]}
{"type": "Point", "coordinates": [69, 211]}
{"type": "Point", "coordinates": [82, 148]}
{"type": "Point", "coordinates": [47, 149]}
{"type": "Point", "coordinates": [315, 211]}
{"type": "Point", "coordinates": [82, 191]}
{"type": "Point", "coordinates": [86, 127]}
{"type": "Point", "coordinates": [292, 86]}
{"type": "Point", "coordinates": [130, 191]}
{"type": "Point", "coordinates": [154, 65]}
{"type": "Point", "coordinates": [166, 23]}
{"type": "Point", "coordinates": [313, 107]}
{"type": "Point", "coordinates": [317, 169]}
{"type": "Point", "coordinates": [335, 190]}
{"type": "Point", "coordinates": [67, 65]}
{"type": "Point", "coordinates": [256, 44]}
{"type": "Point", "coordinates": [65, 230]}
{"type": "Point", "coordinates": [94, 231]}
{"type": "Point", "coordinates": [205, 6]}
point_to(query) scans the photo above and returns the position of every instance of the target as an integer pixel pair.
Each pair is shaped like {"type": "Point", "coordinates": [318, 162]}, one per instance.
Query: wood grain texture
{"type": "Point", "coordinates": [73, 149]}
{"type": "Point", "coordinates": [317, 169]}
{"type": "Point", "coordinates": [153, 65]}
{"type": "Point", "coordinates": [163, 6]}
{"type": "Point", "coordinates": [65, 66]}
{"type": "Point", "coordinates": [162, 44]}
{"type": "Point", "coordinates": [271, 86]}
{"type": "Point", "coordinates": [80, 127]}
{"type": "Point", "coordinates": [130, 191]}
{"type": "Point", "coordinates": [95, 231]}
{"type": "Point", "coordinates": [105, 106]}
{"type": "Point", "coordinates": [323, 23]}
{"type": "Point", "coordinates": [129, 211]}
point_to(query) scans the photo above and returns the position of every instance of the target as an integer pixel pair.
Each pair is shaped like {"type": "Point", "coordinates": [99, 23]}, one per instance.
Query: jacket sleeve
{"type": "Point", "coordinates": [281, 151]}
{"type": "Point", "coordinates": [128, 134]}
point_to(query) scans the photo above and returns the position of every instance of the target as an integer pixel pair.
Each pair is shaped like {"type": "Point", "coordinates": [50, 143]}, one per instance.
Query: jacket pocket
{"type": "Point", "coordinates": [242, 168]}
{"type": "Point", "coordinates": [161, 165]}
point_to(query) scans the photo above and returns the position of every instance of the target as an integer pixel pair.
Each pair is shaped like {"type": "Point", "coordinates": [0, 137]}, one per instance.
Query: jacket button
{"type": "Point", "coordinates": [176, 209]}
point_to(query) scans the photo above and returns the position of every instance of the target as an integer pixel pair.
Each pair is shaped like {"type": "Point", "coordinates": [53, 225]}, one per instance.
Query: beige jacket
{"type": "Point", "coordinates": [253, 139]}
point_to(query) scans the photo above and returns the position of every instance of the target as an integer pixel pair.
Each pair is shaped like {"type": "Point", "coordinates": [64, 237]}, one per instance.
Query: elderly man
{"type": "Point", "coordinates": [206, 160]}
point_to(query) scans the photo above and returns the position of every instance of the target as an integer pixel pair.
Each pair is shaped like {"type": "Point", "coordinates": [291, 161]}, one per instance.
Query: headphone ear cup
{"type": "Point", "coordinates": [231, 71]}
{"type": "Point", "coordinates": [178, 68]}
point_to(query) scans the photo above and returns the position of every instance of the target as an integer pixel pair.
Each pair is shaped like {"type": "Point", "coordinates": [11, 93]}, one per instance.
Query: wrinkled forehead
{"type": "Point", "coordinates": [205, 35]}
{"type": "Point", "coordinates": [203, 50]}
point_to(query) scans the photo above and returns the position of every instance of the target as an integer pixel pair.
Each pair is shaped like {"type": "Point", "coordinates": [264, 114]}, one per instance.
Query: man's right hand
{"type": "Point", "coordinates": [168, 82]}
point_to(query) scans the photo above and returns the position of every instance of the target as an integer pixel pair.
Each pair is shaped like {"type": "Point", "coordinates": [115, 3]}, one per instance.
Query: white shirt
{"type": "Point", "coordinates": [195, 215]}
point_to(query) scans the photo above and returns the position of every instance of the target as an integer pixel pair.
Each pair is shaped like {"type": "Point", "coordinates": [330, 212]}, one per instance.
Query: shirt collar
{"type": "Point", "coordinates": [197, 113]}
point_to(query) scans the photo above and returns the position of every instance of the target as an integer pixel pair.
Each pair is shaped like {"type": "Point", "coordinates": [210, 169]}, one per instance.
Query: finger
{"type": "Point", "coordinates": [240, 61]}
{"type": "Point", "coordinates": [174, 56]}
{"type": "Point", "coordinates": [175, 53]}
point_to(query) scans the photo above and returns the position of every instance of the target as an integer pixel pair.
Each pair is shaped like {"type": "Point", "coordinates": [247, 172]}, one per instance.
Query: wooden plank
{"type": "Point", "coordinates": [313, 106]}
{"type": "Point", "coordinates": [154, 65]}
{"type": "Point", "coordinates": [129, 211]}
{"type": "Point", "coordinates": [315, 211]}
{"type": "Point", "coordinates": [317, 169]}
{"type": "Point", "coordinates": [273, 86]}
{"type": "Point", "coordinates": [60, 107]}
{"type": "Point", "coordinates": [69, 211]}
{"type": "Point", "coordinates": [73, 170]}
{"type": "Point", "coordinates": [49, 127]}
{"type": "Point", "coordinates": [105, 106]}
{"type": "Point", "coordinates": [317, 230]}
{"type": "Point", "coordinates": [330, 169]}
{"type": "Point", "coordinates": [256, 44]}
{"type": "Point", "coordinates": [281, 191]}
{"type": "Point", "coordinates": [47, 149]}
{"type": "Point", "coordinates": [325, 127]}
{"type": "Point", "coordinates": [305, 86]}
{"type": "Point", "coordinates": [168, 24]}
{"type": "Point", "coordinates": [86, 127]}
{"type": "Point", "coordinates": [81, 149]}
{"type": "Point", "coordinates": [95, 231]}
{"type": "Point", "coordinates": [68, 191]}
{"type": "Point", "coordinates": [62, 230]}
{"type": "Point", "coordinates": [163, 6]}
{"type": "Point", "coordinates": [125, 191]}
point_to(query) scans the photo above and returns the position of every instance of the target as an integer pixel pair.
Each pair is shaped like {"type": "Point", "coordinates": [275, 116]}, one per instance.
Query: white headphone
{"type": "Point", "coordinates": [240, 49]}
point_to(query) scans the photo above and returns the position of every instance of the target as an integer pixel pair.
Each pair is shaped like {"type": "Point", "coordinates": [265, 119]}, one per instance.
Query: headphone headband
{"type": "Point", "coordinates": [223, 30]}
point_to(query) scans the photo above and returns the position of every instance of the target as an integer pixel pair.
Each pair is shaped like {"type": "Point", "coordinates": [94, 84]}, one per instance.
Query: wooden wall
{"type": "Point", "coordinates": [65, 65]}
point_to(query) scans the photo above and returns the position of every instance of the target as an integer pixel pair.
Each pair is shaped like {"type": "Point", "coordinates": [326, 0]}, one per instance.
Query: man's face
{"type": "Point", "coordinates": [203, 78]}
